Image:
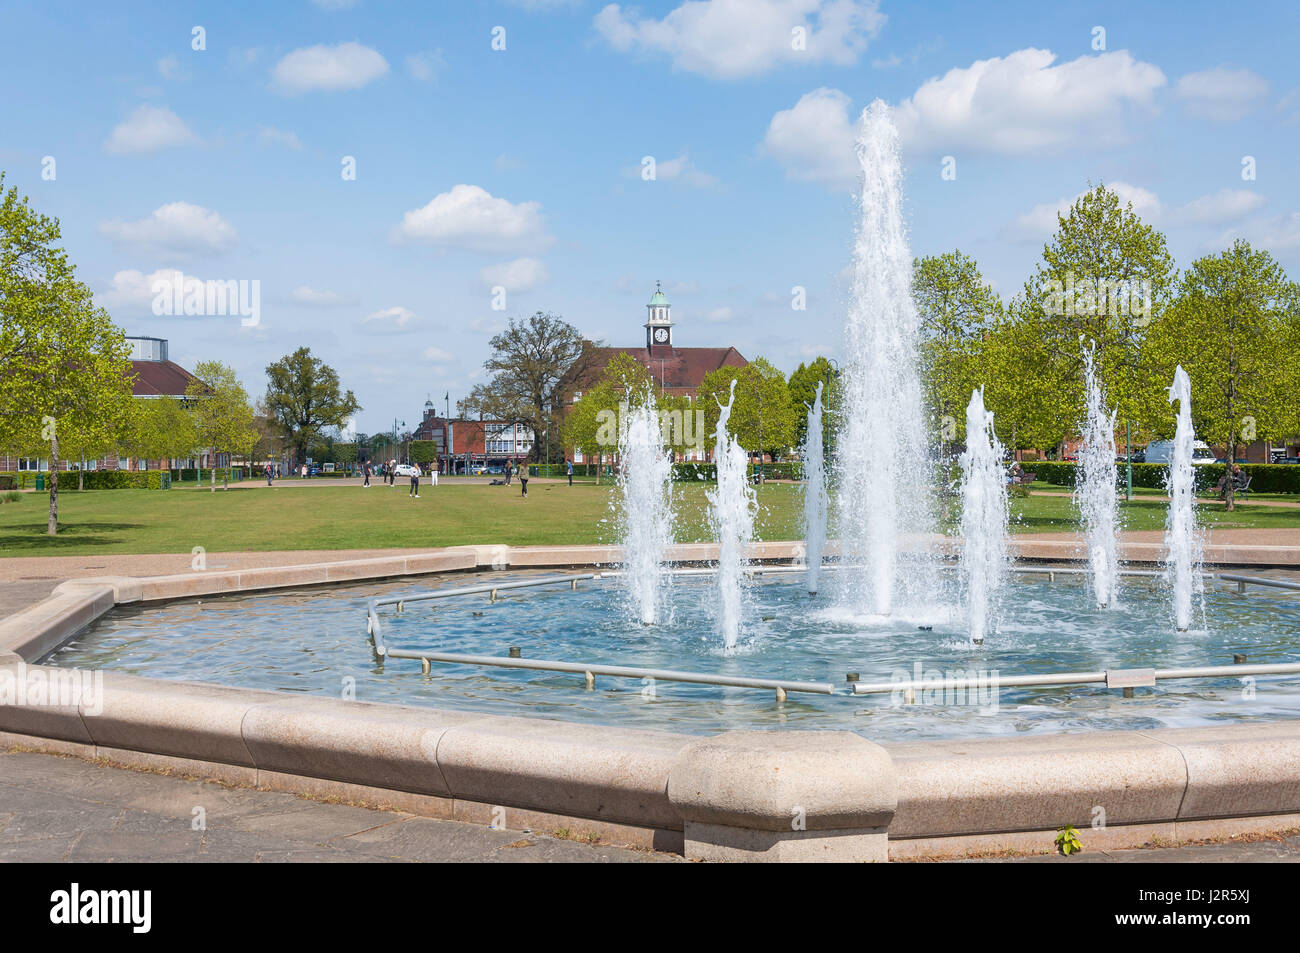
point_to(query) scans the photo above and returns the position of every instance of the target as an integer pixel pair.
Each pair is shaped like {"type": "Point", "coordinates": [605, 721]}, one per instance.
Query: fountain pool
{"type": "Point", "coordinates": [311, 641]}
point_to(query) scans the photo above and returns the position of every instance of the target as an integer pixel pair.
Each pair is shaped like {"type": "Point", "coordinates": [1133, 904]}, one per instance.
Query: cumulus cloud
{"type": "Point", "coordinates": [134, 292]}
{"type": "Point", "coordinates": [1221, 93]}
{"type": "Point", "coordinates": [1226, 205]}
{"type": "Point", "coordinates": [394, 320]}
{"type": "Point", "coordinates": [149, 129]}
{"type": "Point", "coordinates": [425, 66]}
{"type": "Point", "coordinates": [270, 136]}
{"type": "Point", "coordinates": [522, 274]}
{"type": "Point", "coordinates": [680, 170]}
{"type": "Point", "coordinates": [175, 229]}
{"type": "Point", "coordinates": [437, 355]}
{"type": "Point", "coordinates": [469, 217]}
{"type": "Point", "coordinates": [312, 298]}
{"type": "Point", "coordinates": [1041, 220]}
{"type": "Point", "coordinates": [729, 39]}
{"type": "Point", "coordinates": [814, 140]}
{"type": "Point", "coordinates": [328, 68]}
{"type": "Point", "coordinates": [1022, 103]}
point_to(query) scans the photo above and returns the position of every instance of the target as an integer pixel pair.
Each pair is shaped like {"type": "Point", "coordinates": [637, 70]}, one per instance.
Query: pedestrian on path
{"type": "Point", "coordinates": [365, 472]}
{"type": "Point", "coordinates": [523, 479]}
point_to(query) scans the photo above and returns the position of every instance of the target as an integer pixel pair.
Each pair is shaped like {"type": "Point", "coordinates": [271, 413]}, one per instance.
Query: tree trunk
{"type": "Point", "coordinates": [1229, 485]}
{"type": "Point", "coordinates": [52, 526]}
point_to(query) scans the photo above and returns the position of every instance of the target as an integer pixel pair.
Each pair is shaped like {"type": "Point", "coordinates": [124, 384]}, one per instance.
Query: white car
{"type": "Point", "coordinates": [1162, 451]}
{"type": "Point", "coordinates": [406, 470]}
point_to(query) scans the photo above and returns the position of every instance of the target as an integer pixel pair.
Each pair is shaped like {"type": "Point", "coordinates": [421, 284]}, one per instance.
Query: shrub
{"type": "Point", "coordinates": [1264, 477]}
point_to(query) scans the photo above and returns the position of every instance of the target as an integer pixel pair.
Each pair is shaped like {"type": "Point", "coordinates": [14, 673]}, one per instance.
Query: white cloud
{"type": "Point", "coordinates": [680, 170]}
{"type": "Point", "coordinates": [1021, 103]}
{"type": "Point", "coordinates": [148, 129]}
{"type": "Point", "coordinates": [1221, 93]}
{"type": "Point", "coordinates": [522, 274]}
{"type": "Point", "coordinates": [1226, 205]}
{"type": "Point", "coordinates": [814, 140]}
{"type": "Point", "coordinates": [169, 67]}
{"type": "Point", "coordinates": [426, 65]}
{"type": "Point", "coordinates": [720, 315]}
{"type": "Point", "coordinates": [1280, 233]}
{"type": "Point", "coordinates": [270, 136]}
{"type": "Point", "coordinates": [437, 355]}
{"type": "Point", "coordinates": [728, 39]}
{"type": "Point", "coordinates": [328, 68]}
{"type": "Point", "coordinates": [312, 298]}
{"type": "Point", "coordinates": [394, 320]}
{"type": "Point", "coordinates": [176, 229]}
{"type": "Point", "coordinates": [1041, 220]}
{"type": "Point", "coordinates": [469, 217]}
{"type": "Point", "coordinates": [134, 292]}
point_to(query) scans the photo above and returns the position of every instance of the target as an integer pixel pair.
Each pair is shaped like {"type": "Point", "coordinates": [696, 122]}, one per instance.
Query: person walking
{"type": "Point", "coordinates": [508, 469]}
{"type": "Point", "coordinates": [415, 483]}
{"type": "Point", "coordinates": [523, 479]}
{"type": "Point", "coordinates": [569, 470]}
{"type": "Point", "coordinates": [268, 474]}
{"type": "Point", "coordinates": [392, 477]}
{"type": "Point", "coordinates": [365, 473]}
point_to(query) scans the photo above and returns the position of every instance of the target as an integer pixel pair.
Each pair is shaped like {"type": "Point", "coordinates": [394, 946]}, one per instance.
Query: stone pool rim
{"type": "Point", "coordinates": [775, 795]}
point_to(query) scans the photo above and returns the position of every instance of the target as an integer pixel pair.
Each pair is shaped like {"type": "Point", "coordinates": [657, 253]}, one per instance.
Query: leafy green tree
{"type": "Point", "coordinates": [1105, 275]}
{"type": "Point", "coordinates": [64, 368]}
{"type": "Point", "coordinates": [223, 418]}
{"type": "Point", "coordinates": [763, 418]}
{"type": "Point", "coordinates": [803, 391]}
{"type": "Point", "coordinates": [958, 308]}
{"type": "Point", "coordinates": [160, 427]}
{"type": "Point", "coordinates": [304, 396]}
{"type": "Point", "coordinates": [534, 362]}
{"type": "Point", "coordinates": [1233, 328]}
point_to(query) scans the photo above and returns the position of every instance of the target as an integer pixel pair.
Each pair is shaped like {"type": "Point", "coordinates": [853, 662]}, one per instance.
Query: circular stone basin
{"type": "Point", "coordinates": [314, 641]}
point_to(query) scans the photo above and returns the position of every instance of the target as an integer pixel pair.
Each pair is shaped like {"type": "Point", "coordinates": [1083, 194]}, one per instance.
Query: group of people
{"type": "Point", "coordinates": [388, 472]}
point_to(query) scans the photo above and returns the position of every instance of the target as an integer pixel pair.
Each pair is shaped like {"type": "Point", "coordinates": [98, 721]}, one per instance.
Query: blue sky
{"type": "Point", "coordinates": [522, 167]}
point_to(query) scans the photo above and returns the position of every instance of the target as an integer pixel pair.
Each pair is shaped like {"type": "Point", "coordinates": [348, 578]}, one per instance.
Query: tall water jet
{"type": "Point", "coordinates": [816, 504]}
{"type": "Point", "coordinates": [883, 466]}
{"type": "Point", "coordinates": [984, 514]}
{"type": "Point", "coordinates": [732, 505]}
{"type": "Point", "coordinates": [1182, 538]}
{"type": "Point", "coordinates": [645, 486]}
{"type": "Point", "coordinates": [1097, 489]}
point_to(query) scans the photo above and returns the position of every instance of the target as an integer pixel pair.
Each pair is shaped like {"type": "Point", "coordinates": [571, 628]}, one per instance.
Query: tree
{"type": "Point", "coordinates": [63, 363]}
{"type": "Point", "coordinates": [160, 427]}
{"type": "Point", "coordinates": [803, 391]}
{"type": "Point", "coordinates": [1105, 275]}
{"type": "Point", "coordinates": [223, 419]}
{"type": "Point", "coordinates": [957, 310]}
{"type": "Point", "coordinates": [303, 395]}
{"type": "Point", "coordinates": [534, 362]}
{"type": "Point", "coordinates": [763, 418]}
{"type": "Point", "coordinates": [1233, 329]}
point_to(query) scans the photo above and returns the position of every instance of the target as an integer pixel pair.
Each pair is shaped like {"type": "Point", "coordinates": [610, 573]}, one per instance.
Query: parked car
{"type": "Point", "coordinates": [1162, 451]}
{"type": "Point", "coordinates": [406, 470]}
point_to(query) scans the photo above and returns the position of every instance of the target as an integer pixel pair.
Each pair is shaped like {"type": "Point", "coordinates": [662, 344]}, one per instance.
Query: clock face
{"type": "Point", "coordinates": [661, 335]}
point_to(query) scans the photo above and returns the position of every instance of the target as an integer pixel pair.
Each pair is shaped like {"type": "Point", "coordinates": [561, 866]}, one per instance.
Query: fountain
{"type": "Point", "coordinates": [645, 488]}
{"type": "Point", "coordinates": [984, 515]}
{"type": "Point", "coordinates": [1096, 492]}
{"type": "Point", "coordinates": [732, 506]}
{"type": "Point", "coordinates": [815, 502]}
{"type": "Point", "coordinates": [1182, 538]}
{"type": "Point", "coordinates": [882, 458]}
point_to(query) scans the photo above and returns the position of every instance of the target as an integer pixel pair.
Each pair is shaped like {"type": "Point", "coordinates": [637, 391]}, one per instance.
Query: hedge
{"type": "Point", "coordinates": [1264, 477]}
{"type": "Point", "coordinates": [92, 479]}
{"type": "Point", "coordinates": [191, 475]}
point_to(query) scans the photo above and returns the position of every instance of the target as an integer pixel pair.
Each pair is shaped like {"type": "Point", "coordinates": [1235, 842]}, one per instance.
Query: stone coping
{"type": "Point", "coordinates": [781, 796]}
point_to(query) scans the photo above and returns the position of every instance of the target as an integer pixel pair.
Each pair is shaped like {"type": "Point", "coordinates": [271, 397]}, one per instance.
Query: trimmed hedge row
{"type": "Point", "coordinates": [91, 479]}
{"type": "Point", "coordinates": [708, 472]}
{"type": "Point", "coordinates": [1264, 477]}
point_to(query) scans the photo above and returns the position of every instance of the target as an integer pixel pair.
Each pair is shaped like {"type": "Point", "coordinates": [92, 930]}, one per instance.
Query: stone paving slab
{"type": "Point", "coordinates": [56, 808]}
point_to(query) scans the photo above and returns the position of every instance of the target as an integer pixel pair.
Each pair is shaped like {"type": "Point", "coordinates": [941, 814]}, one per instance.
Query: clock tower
{"type": "Point", "coordinates": [659, 322]}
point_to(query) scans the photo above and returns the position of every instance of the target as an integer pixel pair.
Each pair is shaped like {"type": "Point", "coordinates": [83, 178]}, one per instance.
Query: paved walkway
{"type": "Point", "coordinates": [56, 808]}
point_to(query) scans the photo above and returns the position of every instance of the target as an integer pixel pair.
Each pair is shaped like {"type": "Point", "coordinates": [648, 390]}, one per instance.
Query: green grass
{"type": "Point", "coordinates": [253, 518]}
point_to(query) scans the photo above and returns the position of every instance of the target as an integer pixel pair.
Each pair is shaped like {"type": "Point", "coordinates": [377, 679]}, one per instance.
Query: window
{"type": "Point", "coordinates": [30, 463]}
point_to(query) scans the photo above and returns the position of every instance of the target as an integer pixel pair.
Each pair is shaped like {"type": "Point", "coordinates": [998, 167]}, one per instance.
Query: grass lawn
{"type": "Point", "coordinates": [348, 517]}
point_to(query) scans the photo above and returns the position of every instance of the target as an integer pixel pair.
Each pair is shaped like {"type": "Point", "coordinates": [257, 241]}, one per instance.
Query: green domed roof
{"type": "Point", "coordinates": [658, 298]}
